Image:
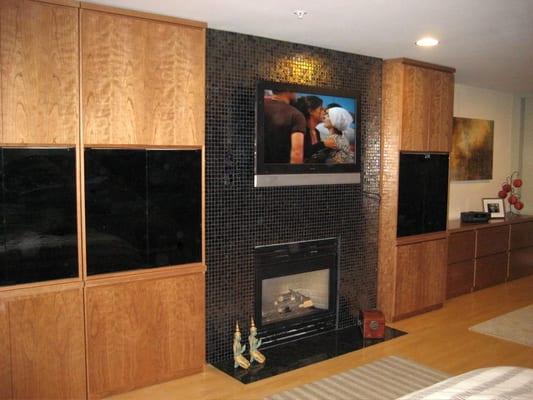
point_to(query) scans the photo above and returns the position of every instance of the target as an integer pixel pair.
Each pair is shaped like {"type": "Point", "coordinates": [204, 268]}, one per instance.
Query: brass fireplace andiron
{"type": "Point", "coordinates": [238, 350]}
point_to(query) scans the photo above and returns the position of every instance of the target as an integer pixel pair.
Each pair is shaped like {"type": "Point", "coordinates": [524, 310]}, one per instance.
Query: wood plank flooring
{"type": "Point", "coordinates": [439, 339]}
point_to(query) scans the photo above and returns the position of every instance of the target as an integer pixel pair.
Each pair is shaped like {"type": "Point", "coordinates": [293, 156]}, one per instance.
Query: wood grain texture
{"type": "Point", "coordinates": [441, 111]}
{"type": "Point", "coordinates": [420, 276]}
{"type": "Point", "coordinates": [521, 235]}
{"type": "Point", "coordinates": [459, 278]}
{"type": "Point", "coordinates": [6, 391]}
{"type": "Point", "coordinates": [439, 339]}
{"type": "Point", "coordinates": [521, 263]}
{"type": "Point", "coordinates": [140, 14]}
{"type": "Point", "coordinates": [422, 64]}
{"type": "Point", "coordinates": [391, 126]}
{"type": "Point", "coordinates": [461, 246]}
{"type": "Point", "coordinates": [144, 332]}
{"type": "Point", "coordinates": [39, 73]}
{"type": "Point", "coordinates": [492, 240]}
{"type": "Point", "coordinates": [143, 81]}
{"type": "Point", "coordinates": [47, 345]}
{"type": "Point", "coordinates": [416, 108]}
{"type": "Point", "coordinates": [491, 270]}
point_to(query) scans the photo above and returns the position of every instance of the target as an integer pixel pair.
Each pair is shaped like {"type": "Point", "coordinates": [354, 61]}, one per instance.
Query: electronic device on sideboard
{"type": "Point", "coordinates": [280, 111]}
{"type": "Point", "coordinates": [475, 216]}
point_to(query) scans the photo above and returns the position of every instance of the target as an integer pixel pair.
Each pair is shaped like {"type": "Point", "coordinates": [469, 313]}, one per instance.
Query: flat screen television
{"type": "Point", "coordinates": [306, 135]}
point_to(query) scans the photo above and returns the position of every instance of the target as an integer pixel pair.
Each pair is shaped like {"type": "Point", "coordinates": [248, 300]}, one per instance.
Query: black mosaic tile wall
{"type": "Point", "coordinates": [240, 217]}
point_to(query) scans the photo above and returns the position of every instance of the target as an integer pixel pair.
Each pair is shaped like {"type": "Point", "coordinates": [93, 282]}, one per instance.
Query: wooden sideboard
{"type": "Point", "coordinates": [483, 255]}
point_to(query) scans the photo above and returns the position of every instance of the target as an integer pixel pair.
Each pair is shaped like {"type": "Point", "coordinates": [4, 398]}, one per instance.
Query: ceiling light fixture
{"type": "Point", "coordinates": [300, 13]}
{"type": "Point", "coordinates": [427, 42]}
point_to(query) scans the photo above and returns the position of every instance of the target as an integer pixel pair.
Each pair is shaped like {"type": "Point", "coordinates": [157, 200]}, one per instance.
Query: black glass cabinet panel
{"type": "Point", "coordinates": [38, 235]}
{"type": "Point", "coordinates": [423, 193]}
{"type": "Point", "coordinates": [143, 208]}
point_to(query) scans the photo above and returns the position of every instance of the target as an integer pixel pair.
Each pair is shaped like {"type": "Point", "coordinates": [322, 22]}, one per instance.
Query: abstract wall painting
{"type": "Point", "coordinates": [472, 149]}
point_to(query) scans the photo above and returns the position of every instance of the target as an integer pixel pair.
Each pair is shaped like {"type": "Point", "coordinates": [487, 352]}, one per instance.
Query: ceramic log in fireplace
{"type": "Point", "coordinates": [296, 289]}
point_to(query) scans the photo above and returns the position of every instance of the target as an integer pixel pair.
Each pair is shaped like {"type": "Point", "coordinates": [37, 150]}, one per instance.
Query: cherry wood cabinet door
{"type": "Point", "coordinates": [143, 81]}
{"type": "Point", "coordinates": [441, 111]}
{"type": "Point", "coordinates": [144, 332]}
{"type": "Point", "coordinates": [420, 277]}
{"type": "Point", "coordinates": [46, 345]}
{"type": "Point", "coordinates": [39, 49]}
{"type": "Point", "coordinates": [416, 105]}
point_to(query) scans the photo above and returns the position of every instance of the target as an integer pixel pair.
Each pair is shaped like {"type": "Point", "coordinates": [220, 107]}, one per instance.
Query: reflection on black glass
{"type": "Point", "coordinates": [143, 208]}
{"type": "Point", "coordinates": [38, 230]}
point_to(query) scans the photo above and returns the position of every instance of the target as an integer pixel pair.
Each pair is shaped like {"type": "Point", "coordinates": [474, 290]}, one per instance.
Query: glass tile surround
{"type": "Point", "coordinates": [38, 229]}
{"type": "Point", "coordinates": [240, 216]}
{"type": "Point", "coordinates": [143, 208]}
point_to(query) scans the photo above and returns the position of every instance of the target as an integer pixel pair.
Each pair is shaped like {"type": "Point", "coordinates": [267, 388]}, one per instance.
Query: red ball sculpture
{"type": "Point", "coordinates": [511, 188]}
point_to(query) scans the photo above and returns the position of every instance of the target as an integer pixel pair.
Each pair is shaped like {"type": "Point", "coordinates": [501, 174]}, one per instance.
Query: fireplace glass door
{"type": "Point", "coordinates": [293, 296]}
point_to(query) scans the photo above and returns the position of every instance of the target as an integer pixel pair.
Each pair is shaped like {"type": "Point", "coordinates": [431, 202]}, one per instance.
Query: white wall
{"type": "Point", "coordinates": [526, 149]}
{"type": "Point", "coordinates": [472, 102]}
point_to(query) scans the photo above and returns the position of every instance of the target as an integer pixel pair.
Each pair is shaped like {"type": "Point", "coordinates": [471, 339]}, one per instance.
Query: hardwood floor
{"type": "Point", "coordinates": [439, 339]}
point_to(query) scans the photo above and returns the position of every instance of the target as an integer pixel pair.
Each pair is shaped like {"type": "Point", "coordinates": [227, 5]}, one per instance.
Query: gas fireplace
{"type": "Point", "coordinates": [296, 288]}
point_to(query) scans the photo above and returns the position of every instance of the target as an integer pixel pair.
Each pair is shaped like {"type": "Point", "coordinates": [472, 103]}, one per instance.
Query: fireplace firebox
{"type": "Point", "coordinates": [296, 289]}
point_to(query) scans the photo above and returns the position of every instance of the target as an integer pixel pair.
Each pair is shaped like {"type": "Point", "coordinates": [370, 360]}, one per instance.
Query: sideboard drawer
{"type": "Point", "coordinates": [461, 246]}
{"type": "Point", "coordinates": [459, 278]}
{"type": "Point", "coordinates": [492, 240]}
{"type": "Point", "coordinates": [521, 235]}
{"type": "Point", "coordinates": [491, 270]}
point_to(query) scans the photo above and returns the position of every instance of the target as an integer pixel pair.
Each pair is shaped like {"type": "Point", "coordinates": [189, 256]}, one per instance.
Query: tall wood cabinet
{"type": "Point", "coordinates": [427, 107]}
{"type": "Point", "coordinates": [40, 73]}
{"type": "Point", "coordinates": [143, 81]}
{"type": "Point", "coordinates": [138, 82]}
{"type": "Point", "coordinates": [417, 107]}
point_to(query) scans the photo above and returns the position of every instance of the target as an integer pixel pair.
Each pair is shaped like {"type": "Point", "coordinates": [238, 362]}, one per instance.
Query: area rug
{"type": "Point", "coordinates": [516, 326]}
{"type": "Point", "coordinates": [388, 378]}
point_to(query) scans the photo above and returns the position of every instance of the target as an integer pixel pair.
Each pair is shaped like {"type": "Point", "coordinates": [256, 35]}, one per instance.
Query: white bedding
{"type": "Point", "coordinates": [499, 383]}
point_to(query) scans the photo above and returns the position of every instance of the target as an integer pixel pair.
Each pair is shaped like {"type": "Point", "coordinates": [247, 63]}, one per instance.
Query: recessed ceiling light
{"type": "Point", "coordinates": [427, 42]}
{"type": "Point", "coordinates": [300, 13]}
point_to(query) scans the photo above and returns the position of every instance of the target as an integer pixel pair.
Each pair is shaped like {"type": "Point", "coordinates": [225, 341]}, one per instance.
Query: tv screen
{"type": "Point", "coordinates": [306, 135]}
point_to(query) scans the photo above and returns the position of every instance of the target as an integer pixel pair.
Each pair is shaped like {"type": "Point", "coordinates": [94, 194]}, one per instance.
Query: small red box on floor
{"type": "Point", "coordinates": [372, 324]}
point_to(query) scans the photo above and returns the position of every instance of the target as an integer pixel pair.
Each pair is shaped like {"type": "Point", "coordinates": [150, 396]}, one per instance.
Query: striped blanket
{"type": "Point", "coordinates": [499, 383]}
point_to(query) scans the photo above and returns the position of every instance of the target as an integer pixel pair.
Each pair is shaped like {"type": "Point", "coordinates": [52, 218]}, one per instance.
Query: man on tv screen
{"type": "Point", "coordinates": [284, 129]}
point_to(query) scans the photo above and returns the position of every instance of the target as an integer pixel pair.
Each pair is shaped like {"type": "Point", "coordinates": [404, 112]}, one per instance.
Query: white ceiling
{"type": "Point", "coordinates": [489, 42]}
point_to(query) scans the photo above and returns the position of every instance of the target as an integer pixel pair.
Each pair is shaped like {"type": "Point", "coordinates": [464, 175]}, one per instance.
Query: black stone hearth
{"type": "Point", "coordinates": [304, 352]}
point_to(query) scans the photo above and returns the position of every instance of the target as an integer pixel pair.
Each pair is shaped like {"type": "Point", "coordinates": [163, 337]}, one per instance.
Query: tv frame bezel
{"type": "Point", "coordinates": [269, 174]}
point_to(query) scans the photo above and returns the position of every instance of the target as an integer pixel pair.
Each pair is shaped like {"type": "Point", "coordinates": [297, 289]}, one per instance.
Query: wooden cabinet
{"type": "Point", "coordinates": [492, 256]}
{"type": "Point", "coordinates": [427, 109]}
{"type": "Point", "coordinates": [503, 250]}
{"type": "Point", "coordinates": [417, 104]}
{"type": "Point", "coordinates": [460, 272]}
{"type": "Point", "coordinates": [143, 81]}
{"type": "Point", "coordinates": [492, 240]}
{"type": "Point", "coordinates": [42, 351]}
{"type": "Point", "coordinates": [39, 73]}
{"type": "Point", "coordinates": [521, 258]}
{"type": "Point", "coordinates": [491, 270]}
{"type": "Point", "coordinates": [144, 331]}
{"type": "Point", "coordinates": [420, 277]}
